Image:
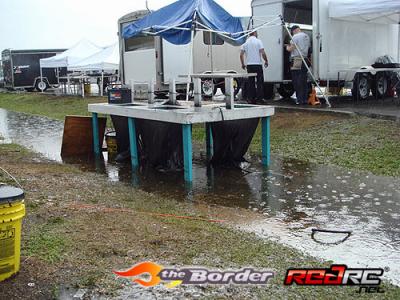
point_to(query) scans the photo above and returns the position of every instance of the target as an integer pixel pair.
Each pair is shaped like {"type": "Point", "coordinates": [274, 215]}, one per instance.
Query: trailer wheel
{"type": "Point", "coordinates": [361, 86]}
{"type": "Point", "coordinates": [207, 88]}
{"type": "Point", "coordinates": [268, 91]}
{"type": "Point", "coordinates": [41, 86]}
{"type": "Point", "coordinates": [379, 86]}
{"type": "Point", "coordinates": [286, 90]}
{"type": "Point", "coordinates": [236, 86]}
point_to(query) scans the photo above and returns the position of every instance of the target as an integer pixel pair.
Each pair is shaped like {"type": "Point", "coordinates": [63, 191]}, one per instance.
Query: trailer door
{"type": "Point", "coordinates": [271, 36]}
{"type": "Point", "coordinates": [175, 60]}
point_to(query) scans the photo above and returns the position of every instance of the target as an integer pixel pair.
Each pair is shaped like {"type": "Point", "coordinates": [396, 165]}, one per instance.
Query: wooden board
{"type": "Point", "coordinates": [78, 135]}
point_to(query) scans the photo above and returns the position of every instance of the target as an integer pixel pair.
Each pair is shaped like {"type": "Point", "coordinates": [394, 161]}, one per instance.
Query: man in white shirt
{"type": "Point", "coordinates": [298, 69]}
{"type": "Point", "coordinates": [254, 51]}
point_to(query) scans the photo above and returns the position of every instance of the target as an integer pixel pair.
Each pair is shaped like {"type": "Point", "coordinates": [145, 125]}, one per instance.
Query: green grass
{"type": "Point", "coordinates": [46, 242]}
{"type": "Point", "coordinates": [55, 107]}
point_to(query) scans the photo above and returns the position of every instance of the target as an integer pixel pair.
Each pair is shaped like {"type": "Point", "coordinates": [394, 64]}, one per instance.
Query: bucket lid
{"type": "Point", "coordinates": [10, 193]}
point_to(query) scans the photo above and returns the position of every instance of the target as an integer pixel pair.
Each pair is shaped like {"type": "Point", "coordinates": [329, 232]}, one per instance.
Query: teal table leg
{"type": "Point", "coordinates": [209, 141]}
{"type": "Point", "coordinates": [187, 151]}
{"type": "Point", "coordinates": [266, 146]}
{"type": "Point", "coordinates": [133, 143]}
{"type": "Point", "coordinates": [95, 130]}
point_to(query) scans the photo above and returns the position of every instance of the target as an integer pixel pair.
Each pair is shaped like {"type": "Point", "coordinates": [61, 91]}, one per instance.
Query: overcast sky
{"type": "Point", "coordinates": [40, 24]}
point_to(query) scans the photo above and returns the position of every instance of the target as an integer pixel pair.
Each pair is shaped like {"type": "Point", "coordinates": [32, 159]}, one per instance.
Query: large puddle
{"type": "Point", "coordinates": [288, 200]}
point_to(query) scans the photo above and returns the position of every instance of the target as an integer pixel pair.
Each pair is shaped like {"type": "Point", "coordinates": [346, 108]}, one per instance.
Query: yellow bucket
{"type": "Point", "coordinates": [111, 141]}
{"type": "Point", "coordinates": [87, 88]}
{"type": "Point", "coordinates": [12, 210]}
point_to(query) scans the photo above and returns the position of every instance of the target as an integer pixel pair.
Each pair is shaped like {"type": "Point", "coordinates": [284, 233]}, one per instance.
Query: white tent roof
{"type": "Point", "coordinates": [106, 59]}
{"type": "Point", "coordinates": [71, 56]}
{"type": "Point", "coordinates": [383, 11]}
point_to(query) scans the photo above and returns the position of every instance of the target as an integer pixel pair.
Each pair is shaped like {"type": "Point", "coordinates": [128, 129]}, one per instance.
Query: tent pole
{"type": "Point", "coordinates": [305, 63]}
{"type": "Point", "coordinates": [83, 86]}
{"type": "Point", "coordinates": [68, 84]}
{"type": "Point", "coordinates": [191, 55]}
{"type": "Point", "coordinates": [41, 76]}
{"type": "Point", "coordinates": [102, 83]}
{"type": "Point", "coordinates": [211, 51]}
{"type": "Point", "coordinates": [190, 66]}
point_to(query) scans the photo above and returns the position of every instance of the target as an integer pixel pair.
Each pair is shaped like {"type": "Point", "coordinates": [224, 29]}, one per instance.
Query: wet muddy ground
{"type": "Point", "coordinates": [286, 201]}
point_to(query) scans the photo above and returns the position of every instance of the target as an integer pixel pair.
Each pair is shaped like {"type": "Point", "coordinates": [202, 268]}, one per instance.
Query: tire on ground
{"type": "Point", "coordinates": [286, 90]}
{"type": "Point", "coordinates": [379, 86]}
{"type": "Point", "coordinates": [361, 86]}
{"type": "Point", "coordinates": [41, 85]}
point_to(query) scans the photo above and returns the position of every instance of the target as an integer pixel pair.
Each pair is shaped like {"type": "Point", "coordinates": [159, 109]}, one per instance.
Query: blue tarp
{"type": "Point", "coordinates": [207, 12]}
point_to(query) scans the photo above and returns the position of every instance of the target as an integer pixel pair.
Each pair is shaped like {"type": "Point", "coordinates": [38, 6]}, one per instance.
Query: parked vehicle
{"type": "Point", "coordinates": [343, 48]}
{"type": "Point", "coordinates": [21, 69]}
{"type": "Point", "coordinates": [149, 58]}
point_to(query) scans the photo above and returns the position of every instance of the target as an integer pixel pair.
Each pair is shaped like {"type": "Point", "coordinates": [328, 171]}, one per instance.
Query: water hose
{"type": "Point", "coordinates": [348, 233]}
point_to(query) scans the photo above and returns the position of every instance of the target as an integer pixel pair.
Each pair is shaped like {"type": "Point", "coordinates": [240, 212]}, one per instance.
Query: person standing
{"type": "Point", "coordinates": [298, 69]}
{"type": "Point", "coordinates": [254, 51]}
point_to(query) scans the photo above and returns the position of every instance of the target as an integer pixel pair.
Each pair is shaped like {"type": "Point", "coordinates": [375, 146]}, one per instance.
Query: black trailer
{"type": "Point", "coordinates": [21, 69]}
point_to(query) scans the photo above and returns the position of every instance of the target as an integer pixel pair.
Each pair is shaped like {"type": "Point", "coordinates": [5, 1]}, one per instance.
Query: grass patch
{"type": "Point", "coordinates": [56, 107]}
{"type": "Point", "coordinates": [45, 244]}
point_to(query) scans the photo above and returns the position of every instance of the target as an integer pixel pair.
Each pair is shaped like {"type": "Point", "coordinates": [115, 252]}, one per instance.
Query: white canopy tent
{"type": "Point", "coordinates": [81, 50]}
{"type": "Point", "coordinates": [106, 59]}
{"type": "Point", "coordinates": [383, 11]}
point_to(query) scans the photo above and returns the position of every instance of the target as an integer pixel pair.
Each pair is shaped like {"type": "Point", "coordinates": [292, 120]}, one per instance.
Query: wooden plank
{"type": "Point", "coordinates": [78, 135]}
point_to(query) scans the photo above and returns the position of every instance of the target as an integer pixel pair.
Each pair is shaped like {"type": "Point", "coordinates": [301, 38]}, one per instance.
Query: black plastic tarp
{"type": "Point", "coordinates": [231, 140]}
{"type": "Point", "coordinates": [160, 144]}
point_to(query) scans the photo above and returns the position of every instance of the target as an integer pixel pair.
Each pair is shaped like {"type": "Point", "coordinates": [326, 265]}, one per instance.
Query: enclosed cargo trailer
{"type": "Point", "coordinates": [343, 48]}
{"type": "Point", "coordinates": [21, 69]}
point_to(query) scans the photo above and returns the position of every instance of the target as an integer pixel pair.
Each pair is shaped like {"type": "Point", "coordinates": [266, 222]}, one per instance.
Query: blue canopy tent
{"type": "Point", "coordinates": [176, 22]}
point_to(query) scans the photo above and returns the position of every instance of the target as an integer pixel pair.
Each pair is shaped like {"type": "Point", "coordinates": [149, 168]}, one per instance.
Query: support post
{"type": "Point", "coordinates": [95, 130]}
{"type": "Point", "coordinates": [197, 91]}
{"type": "Point", "coordinates": [187, 151]}
{"type": "Point", "coordinates": [133, 143]}
{"type": "Point", "coordinates": [229, 93]}
{"type": "Point", "coordinates": [151, 91]}
{"type": "Point", "coordinates": [266, 146]}
{"type": "Point", "coordinates": [68, 85]}
{"type": "Point", "coordinates": [132, 85]}
{"type": "Point", "coordinates": [41, 77]}
{"type": "Point", "coordinates": [172, 91]}
{"type": "Point", "coordinates": [209, 141]}
{"type": "Point", "coordinates": [102, 84]}
{"type": "Point", "coordinates": [83, 87]}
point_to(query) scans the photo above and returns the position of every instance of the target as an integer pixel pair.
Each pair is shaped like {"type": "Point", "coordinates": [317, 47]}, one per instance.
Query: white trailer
{"type": "Point", "coordinates": [152, 59]}
{"type": "Point", "coordinates": [343, 47]}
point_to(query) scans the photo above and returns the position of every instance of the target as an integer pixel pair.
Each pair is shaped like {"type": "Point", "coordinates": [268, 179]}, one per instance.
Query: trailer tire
{"type": "Point", "coordinates": [208, 88]}
{"type": "Point", "coordinates": [379, 85]}
{"type": "Point", "coordinates": [361, 86]}
{"type": "Point", "coordinates": [236, 86]}
{"type": "Point", "coordinates": [41, 86]}
{"type": "Point", "coordinates": [268, 91]}
{"type": "Point", "coordinates": [286, 90]}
